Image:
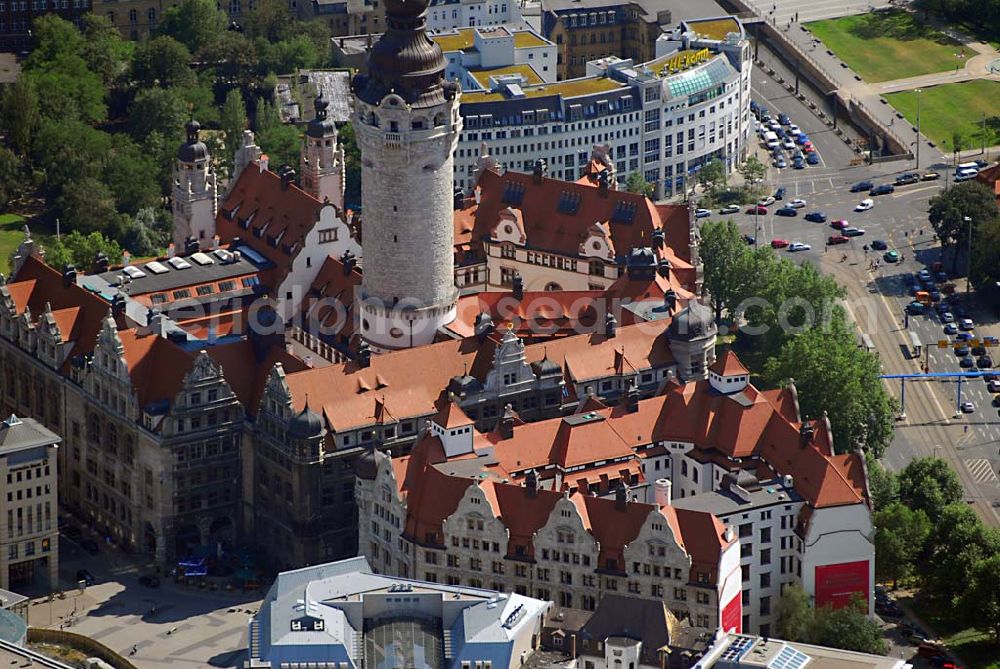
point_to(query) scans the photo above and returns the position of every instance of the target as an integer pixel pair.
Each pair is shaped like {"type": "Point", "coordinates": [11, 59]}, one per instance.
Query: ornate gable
{"type": "Point", "coordinates": [598, 243]}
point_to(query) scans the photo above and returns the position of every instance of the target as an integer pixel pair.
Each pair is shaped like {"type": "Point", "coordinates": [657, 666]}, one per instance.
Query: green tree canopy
{"type": "Point", "coordinates": [131, 175]}
{"type": "Point", "coordinates": [159, 110]}
{"type": "Point", "coordinates": [957, 543]}
{"type": "Point", "coordinates": [949, 209]}
{"type": "Point", "coordinates": [104, 50]}
{"type": "Point", "coordinates": [900, 535]}
{"type": "Point", "coordinates": [80, 250]}
{"type": "Point", "coordinates": [712, 176]}
{"type": "Point", "coordinates": [195, 23]}
{"type": "Point", "coordinates": [636, 183]}
{"type": "Point", "coordinates": [21, 115]}
{"type": "Point", "coordinates": [55, 38]}
{"type": "Point", "coordinates": [162, 61]}
{"type": "Point", "coordinates": [882, 483]}
{"type": "Point", "coordinates": [795, 614]}
{"type": "Point", "coordinates": [981, 603]}
{"type": "Point", "coordinates": [929, 484]}
{"type": "Point", "coordinates": [722, 250]}
{"type": "Point", "coordinates": [847, 628]}
{"type": "Point", "coordinates": [87, 205]}
{"type": "Point", "coordinates": [234, 122]}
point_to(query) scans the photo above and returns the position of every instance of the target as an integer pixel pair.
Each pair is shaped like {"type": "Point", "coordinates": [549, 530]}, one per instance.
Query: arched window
{"type": "Point", "coordinates": [552, 286]}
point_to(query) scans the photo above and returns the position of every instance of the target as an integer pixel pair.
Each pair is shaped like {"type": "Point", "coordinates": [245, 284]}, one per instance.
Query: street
{"type": "Point", "coordinates": [876, 297]}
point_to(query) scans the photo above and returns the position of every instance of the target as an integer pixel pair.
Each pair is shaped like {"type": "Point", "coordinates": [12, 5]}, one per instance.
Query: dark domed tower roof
{"type": "Point", "coordinates": [405, 60]}
{"type": "Point", "coordinates": [546, 367]}
{"type": "Point", "coordinates": [305, 425]}
{"type": "Point", "coordinates": [321, 126]}
{"type": "Point", "coordinates": [694, 321]}
{"type": "Point", "coordinates": [366, 464]}
{"type": "Point", "coordinates": [193, 149]}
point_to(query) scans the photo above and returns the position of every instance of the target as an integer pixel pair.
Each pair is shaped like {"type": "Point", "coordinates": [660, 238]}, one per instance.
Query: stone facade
{"type": "Point", "coordinates": [195, 195]}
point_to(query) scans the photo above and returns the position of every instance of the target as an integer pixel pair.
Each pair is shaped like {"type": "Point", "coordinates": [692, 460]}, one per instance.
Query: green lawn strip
{"type": "Point", "coordinates": [973, 646]}
{"type": "Point", "coordinates": [11, 234]}
{"type": "Point", "coordinates": [950, 107]}
{"type": "Point", "coordinates": [885, 47]}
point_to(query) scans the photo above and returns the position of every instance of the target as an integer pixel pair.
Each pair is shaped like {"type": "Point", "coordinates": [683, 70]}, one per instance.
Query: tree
{"type": "Point", "coordinates": [794, 614]}
{"type": "Point", "coordinates": [948, 211]}
{"type": "Point", "coordinates": [162, 61]}
{"type": "Point", "coordinates": [982, 598]}
{"type": "Point", "coordinates": [847, 628]}
{"type": "Point", "coordinates": [234, 122]}
{"type": "Point", "coordinates": [13, 183]}
{"type": "Point", "coordinates": [131, 175]}
{"type": "Point", "coordinates": [288, 55]}
{"type": "Point", "coordinates": [882, 483]}
{"type": "Point", "coordinates": [753, 172]}
{"type": "Point", "coordinates": [282, 143]}
{"type": "Point", "coordinates": [959, 142]}
{"type": "Point", "coordinates": [87, 205]}
{"type": "Point", "coordinates": [957, 543]}
{"type": "Point", "coordinates": [831, 371]}
{"type": "Point", "coordinates": [148, 233]}
{"type": "Point", "coordinates": [80, 250]}
{"type": "Point", "coordinates": [900, 534]}
{"type": "Point", "coordinates": [71, 90]}
{"type": "Point", "coordinates": [68, 151]}
{"type": "Point", "coordinates": [234, 57]}
{"type": "Point", "coordinates": [713, 177]}
{"type": "Point", "coordinates": [266, 116]}
{"type": "Point", "coordinates": [21, 114]}
{"type": "Point", "coordinates": [986, 259]}
{"type": "Point", "coordinates": [103, 49]}
{"type": "Point", "coordinates": [929, 485]}
{"type": "Point", "coordinates": [157, 110]}
{"type": "Point", "coordinates": [722, 249]}
{"type": "Point", "coordinates": [636, 183]}
{"type": "Point", "coordinates": [352, 159]}
{"type": "Point", "coordinates": [55, 38]}
{"type": "Point", "coordinates": [195, 23]}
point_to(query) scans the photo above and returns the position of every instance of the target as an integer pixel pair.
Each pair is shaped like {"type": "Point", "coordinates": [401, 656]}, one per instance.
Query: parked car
{"type": "Point", "coordinates": [837, 239]}
{"type": "Point", "coordinates": [85, 576]}
{"type": "Point", "coordinates": [802, 139]}
{"type": "Point", "coordinates": [947, 317]}
{"type": "Point", "coordinates": [915, 308]}
{"type": "Point", "coordinates": [840, 224]}
{"type": "Point", "coordinates": [798, 164]}
{"type": "Point", "coordinates": [765, 202]}
{"type": "Point", "coordinates": [779, 243]}
{"type": "Point", "coordinates": [783, 119]}
{"type": "Point", "coordinates": [799, 246]}
{"type": "Point", "coordinates": [787, 144]}
{"type": "Point", "coordinates": [757, 209]}
{"type": "Point", "coordinates": [882, 189]}
{"type": "Point", "coordinates": [794, 129]}
{"type": "Point", "coordinates": [781, 163]}
{"type": "Point", "coordinates": [853, 232]}
{"type": "Point", "coordinates": [862, 186]}
{"type": "Point", "coordinates": [964, 336]}
{"type": "Point", "coordinates": [950, 328]}
{"type": "Point", "coordinates": [780, 193]}
{"type": "Point", "coordinates": [906, 179]}
{"type": "Point", "coordinates": [812, 158]}
{"type": "Point", "coordinates": [798, 203]}
{"type": "Point", "coordinates": [967, 362]}
{"type": "Point", "coordinates": [930, 176]}
{"type": "Point", "coordinates": [984, 362]}
{"type": "Point", "coordinates": [891, 257]}
{"type": "Point", "coordinates": [924, 275]}
{"type": "Point", "coordinates": [864, 205]}
{"type": "Point", "coordinates": [967, 407]}
{"type": "Point", "coordinates": [702, 213]}
{"type": "Point", "coordinates": [787, 211]}
{"type": "Point", "coordinates": [879, 245]}
{"type": "Point", "coordinates": [993, 386]}
{"type": "Point", "coordinates": [816, 217]}
{"type": "Point", "coordinates": [750, 240]}
{"type": "Point", "coordinates": [730, 209]}
{"type": "Point", "coordinates": [962, 350]}
{"type": "Point", "coordinates": [965, 324]}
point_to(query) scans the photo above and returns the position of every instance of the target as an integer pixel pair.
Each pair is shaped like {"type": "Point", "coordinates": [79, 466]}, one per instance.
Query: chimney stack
{"type": "Point", "coordinates": [531, 483]}
{"type": "Point", "coordinates": [631, 398]}
{"type": "Point", "coordinates": [191, 246]}
{"type": "Point", "coordinates": [610, 325]}
{"type": "Point", "coordinates": [518, 287]}
{"type": "Point", "coordinates": [287, 177]}
{"type": "Point", "coordinates": [507, 423]}
{"type": "Point", "coordinates": [662, 490]}
{"type": "Point", "coordinates": [364, 355]}
{"type": "Point", "coordinates": [663, 268]}
{"type": "Point", "coordinates": [806, 432]}
{"type": "Point", "coordinates": [670, 300]}
{"type": "Point", "coordinates": [459, 199]}
{"type": "Point", "coordinates": [101, 262]}
{"type": "Point", "coordinates": [539, 171]}
{"type": "Point", "coordinates": [621, 496]}
{"type": "Point", "coordinates": [348, 260]}
{"type": "Point", "coordinates": [658, 238]}
{"type": "Point", "coordinates": [69, 276]}
{"type": "Point", "coordinates": [262, 163]}
{"type": "Point", "coordinates": [602, 183]}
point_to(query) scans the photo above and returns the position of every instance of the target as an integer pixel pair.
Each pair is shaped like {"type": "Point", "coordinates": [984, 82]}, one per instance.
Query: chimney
{"type": "Point", "coordinates": [171, 250]}
{"type": "Point", "coordinates": [663, 268]}
{"type": "Point", "coordinates": [507, 423]}
{"type": "Point", "coordinates": [101, 262]}
{"type": "Point", "coordinates": [631, 399]}
{"type": "Point", "coordinates": [459, 200]}
{"type": "Point", "coordinates": [118, 304]}
{"type": "Point", "coordinates": [662, 492]}
{"type": "Point", "coordinates": [531, 483]}
{"type": "Point", "coordinates": [621, 496]}
{"type": "Point", "coordinates": [287, 177]}
{"type": "Point", "coordinates": [658, 238]}
{"type": "Point", "coordinates": [364, 355]}
{"type": "Point", "coordinates": [484, 324]}
{"type": "Point", "coordinates": [518, 287]}
{"type": "Point", "coordinates": [69, 276]}
{"type": "Point", "coordinates": [539, 170]}
{"type": "Point", "coordinates": [602, 183]}
{"type": "Point", "coordinates": [262, 163]}
{"type": "Point", "coordinates": [670, 301]}
{"type": "Point", "coordinates": [349, 261]}
{"type": "Point", "coordinates": [806, 432]}
{"type": "Point", "coordinates": [191, 246]}
{"type": "Point", "coordinates": [610, 325]}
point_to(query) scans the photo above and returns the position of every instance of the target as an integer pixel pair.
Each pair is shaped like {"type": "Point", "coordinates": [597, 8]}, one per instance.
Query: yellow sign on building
{"type": "Point", "coordinates": [687, 59]}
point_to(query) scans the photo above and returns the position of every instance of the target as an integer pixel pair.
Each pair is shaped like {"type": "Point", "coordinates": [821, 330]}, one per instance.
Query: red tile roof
{"type": "Point", "coordinates": [279, 218]}
{"type": "Point", "coordinates": [728, 364]}
{"type": "Point", "coordinates": [451, 415]}
{"type": "Point", "coordinates": [330, 300]}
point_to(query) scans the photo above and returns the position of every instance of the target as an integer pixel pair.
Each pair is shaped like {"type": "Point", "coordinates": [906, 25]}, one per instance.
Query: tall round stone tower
{"type": "Point", "coordinates": [407, 125]}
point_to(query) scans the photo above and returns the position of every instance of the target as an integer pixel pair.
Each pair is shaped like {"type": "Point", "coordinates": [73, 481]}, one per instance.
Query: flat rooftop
{"type": "Point", "coordinates": [741, 651]}
{"type": "Point", "coordinates": [528, 74]}
{"type": "Point", "coordinates": [203, 268]}
{"type": "Point", "coordinates": [567, 89]}
{"type": "Point", "coordinates": [725, 502]}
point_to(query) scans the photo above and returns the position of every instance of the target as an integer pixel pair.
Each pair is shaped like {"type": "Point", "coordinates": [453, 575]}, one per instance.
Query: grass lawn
{"type": "Point", "coordinates": [949, 108]}
{"type": "Point", "coordinates": [11, 234]}
{"type": "Point", "coordinates": [888, 46]}
{"type": "Point", "coordinates": [973, 646]}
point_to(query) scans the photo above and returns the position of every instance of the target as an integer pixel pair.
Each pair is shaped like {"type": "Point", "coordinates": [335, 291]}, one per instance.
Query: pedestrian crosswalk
{"type": "Point", "coordinates": [982, 470]}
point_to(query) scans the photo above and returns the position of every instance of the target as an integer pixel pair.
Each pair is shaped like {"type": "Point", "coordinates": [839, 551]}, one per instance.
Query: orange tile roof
{"type": "Point", "coordinates": [549, 229]}
{"type": "Point", "coordinates": [333, 283]}
{"type": "Point", "coordinates": [279, 218]}
{"type": "Point", "coordinates": [155, 364]}
{"type": "Point", "coordinates": [728, 364]}
{"type": "Point", "coordinates": [451, 415]}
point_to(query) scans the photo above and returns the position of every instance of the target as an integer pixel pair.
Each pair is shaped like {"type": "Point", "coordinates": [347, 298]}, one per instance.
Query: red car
{"type": "Point", "coordinates": [837, 239]}
{"type": "Point", "coordinates": [779, 243]}
{"type": "Point", "coordinates": [840, 224]}
{"type": "Point", "coordinates": [757, 209]}
{"type": "Point", "coordinates": [808, 148]}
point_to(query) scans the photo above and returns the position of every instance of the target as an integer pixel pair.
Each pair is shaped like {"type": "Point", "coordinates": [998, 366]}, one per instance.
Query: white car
{"type": "Point", "coordinates": [799, 246]}
{"type": "Point", "coordinates": [766, 202]}
{"type": "Point", "coordinates": [702, 213]}
{"type": "Point", "coordinates": [793, 130]}
{"type": "Point", "coordinates": [788, 144]}
{"type": "Point", "coordinates": [797, 203]}
{"type": "Point", "coordinates": [865, 205]}
{"type": "Point", "coordinates": [730, 209]}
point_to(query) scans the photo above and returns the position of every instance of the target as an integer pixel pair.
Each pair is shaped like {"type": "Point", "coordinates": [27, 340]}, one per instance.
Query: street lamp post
{"type": "Point", "coordinates": [918, 91]}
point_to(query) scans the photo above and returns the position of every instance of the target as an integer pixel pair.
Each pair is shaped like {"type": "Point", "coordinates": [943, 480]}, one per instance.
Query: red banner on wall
{"type": "Point", "coordinates": [837, 585]}
{"type": "Point", "coordinates": [732, 615]}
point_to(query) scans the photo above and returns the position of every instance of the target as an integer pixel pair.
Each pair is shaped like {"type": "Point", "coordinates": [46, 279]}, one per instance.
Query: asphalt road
{"type": "Point", "coordinates": [876, 297]}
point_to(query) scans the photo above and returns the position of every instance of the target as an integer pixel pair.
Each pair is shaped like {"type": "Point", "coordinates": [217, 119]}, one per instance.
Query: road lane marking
{"type": "Point", "coordinates": [981, 470]}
